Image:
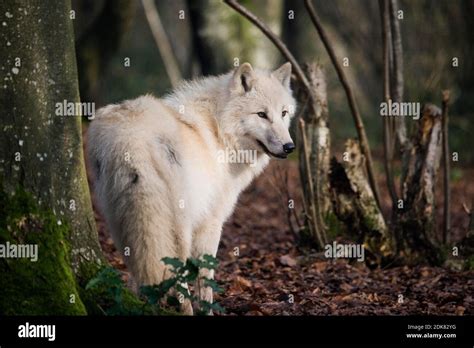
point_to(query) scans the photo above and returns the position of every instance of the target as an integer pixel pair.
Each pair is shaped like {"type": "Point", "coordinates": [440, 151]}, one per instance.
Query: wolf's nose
{"type": "Point", "coordinates": [288, 147]}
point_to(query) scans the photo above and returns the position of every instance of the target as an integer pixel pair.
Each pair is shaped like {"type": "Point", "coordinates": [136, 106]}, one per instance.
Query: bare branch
{"type": "Point", "coordinates": [162, 42]}
{"type": "Point", "coordinates": [397, 90]}
{"type": "Point", "coordinates": [364, 143]}
{"type": "Point", "coordinates": [397, 76]}
{"type": "Point", "coordinates": [447, 191]}
{"type": "Point", "coordinates": [387, 130]}
{"type": "Point", "coordinates": [274, 39]}
{"type": "Point", "coordinates": [386, 42]}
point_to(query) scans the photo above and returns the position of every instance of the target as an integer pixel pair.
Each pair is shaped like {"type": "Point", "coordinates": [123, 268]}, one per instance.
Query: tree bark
{"type": "Point", "coordinates": [44, 189]}
{"type": "Point", "coordinates": [354, 204]}
{"type": "Point", "coordinates": [416, 221]}
{"type": "Point", "coordinates": [320, 138]}
{"type": "Point", "coordinates": [316, 131]}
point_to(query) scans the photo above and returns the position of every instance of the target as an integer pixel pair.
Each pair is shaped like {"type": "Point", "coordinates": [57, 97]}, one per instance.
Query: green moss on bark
{"type": "Point", "coordinates": [46, 286]}
{"type": "Point", "coordinates": [43, 287]}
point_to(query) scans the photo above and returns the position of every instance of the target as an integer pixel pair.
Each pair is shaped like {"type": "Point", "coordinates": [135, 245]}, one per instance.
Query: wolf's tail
{"type": "Point", "coordinates": [134, 199]}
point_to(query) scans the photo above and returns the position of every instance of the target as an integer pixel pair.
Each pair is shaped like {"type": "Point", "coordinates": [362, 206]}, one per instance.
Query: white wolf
{"type": "Point", "coordinates": [159, 181]}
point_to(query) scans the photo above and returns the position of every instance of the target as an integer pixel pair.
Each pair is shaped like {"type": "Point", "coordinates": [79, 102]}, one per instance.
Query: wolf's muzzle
{"type": "Point", "coordinates": [288, 147]}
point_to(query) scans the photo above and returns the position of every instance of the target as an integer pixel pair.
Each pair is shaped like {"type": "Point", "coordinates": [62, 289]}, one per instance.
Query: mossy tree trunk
{"type": "Point", "coordinates": [44, 194]}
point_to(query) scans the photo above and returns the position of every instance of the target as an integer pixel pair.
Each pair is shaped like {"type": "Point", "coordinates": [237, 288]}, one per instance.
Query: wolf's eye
{"type": "Point", "coordinates": [284, 113]}
{"type": "Point", "coordinates": [262, 114]}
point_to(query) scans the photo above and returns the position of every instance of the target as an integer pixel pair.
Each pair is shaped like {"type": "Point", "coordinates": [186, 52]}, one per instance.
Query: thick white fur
{"type": "Point", "coordinates": [158, 183]}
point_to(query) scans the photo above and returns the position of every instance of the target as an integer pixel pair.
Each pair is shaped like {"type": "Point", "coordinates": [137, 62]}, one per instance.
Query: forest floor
{"type": "Point", "coordinates": [272, 276]}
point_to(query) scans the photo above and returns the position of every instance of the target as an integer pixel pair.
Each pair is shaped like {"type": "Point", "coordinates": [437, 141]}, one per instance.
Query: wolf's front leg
{"type": "Point", "coordinates": [206, 241]}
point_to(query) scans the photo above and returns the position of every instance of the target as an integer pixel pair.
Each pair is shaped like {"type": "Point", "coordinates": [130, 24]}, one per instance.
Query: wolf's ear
{"type": "Point", "coordinates": [283, 74]}
{"type": "Point", "coordinates": [243, 79]}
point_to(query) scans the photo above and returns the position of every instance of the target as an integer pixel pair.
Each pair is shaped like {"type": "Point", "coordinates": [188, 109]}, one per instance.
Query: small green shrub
{"type": "Point", "coordinates": [116, 299]}
{"type": "Point", "coordinates": [184, 273]}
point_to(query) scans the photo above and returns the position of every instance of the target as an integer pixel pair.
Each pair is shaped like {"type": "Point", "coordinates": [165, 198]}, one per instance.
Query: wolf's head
{"type": "Point", "coordinates": [260, 108]}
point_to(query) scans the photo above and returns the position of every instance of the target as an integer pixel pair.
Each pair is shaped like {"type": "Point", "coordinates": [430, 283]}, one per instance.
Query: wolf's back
{"type": "Point", "coordinates": [132, 192]}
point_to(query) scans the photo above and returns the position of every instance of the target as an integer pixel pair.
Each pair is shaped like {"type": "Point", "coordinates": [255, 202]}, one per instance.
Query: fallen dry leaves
{"type": "Point", "coordinates": [269, 276]}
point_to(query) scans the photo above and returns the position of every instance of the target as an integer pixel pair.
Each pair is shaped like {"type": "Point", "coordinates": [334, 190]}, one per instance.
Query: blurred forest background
{"type": "Point", "coordinates": [211, 35]}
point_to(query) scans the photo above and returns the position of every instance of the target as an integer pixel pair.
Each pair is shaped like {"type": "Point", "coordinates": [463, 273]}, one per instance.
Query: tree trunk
{"type": "Point", "coordinates": [44, 194]}
{"type": "Point", "coordinates": [355, 205]}
{"type": "Point", "coordinates": [317, 155]}
{"type": "Point", "coordinates": [416, 221]}
{"type": "Point", "coordinates": [320, 137]}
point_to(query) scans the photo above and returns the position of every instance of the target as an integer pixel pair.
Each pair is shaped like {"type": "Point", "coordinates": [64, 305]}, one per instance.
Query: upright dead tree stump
{"type": "Point", "coordinates": [334, 191]}
{"type": "Point", "coordinates": [355, 205]}
{"type": "Point", "coordinates": [314, 144]}
{"type": "Point", "coordinates": [415, 228]}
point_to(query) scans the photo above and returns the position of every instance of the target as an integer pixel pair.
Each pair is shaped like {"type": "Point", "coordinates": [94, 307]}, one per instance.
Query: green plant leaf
{"type": "Point", "coordinates": [210, 262]}
{"type": "Point", "coordinates": [93, 283]}
{"type": "Point", "coordinates": [173, 262]}
{"type": "Point", "coordinates": [213, 285]}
